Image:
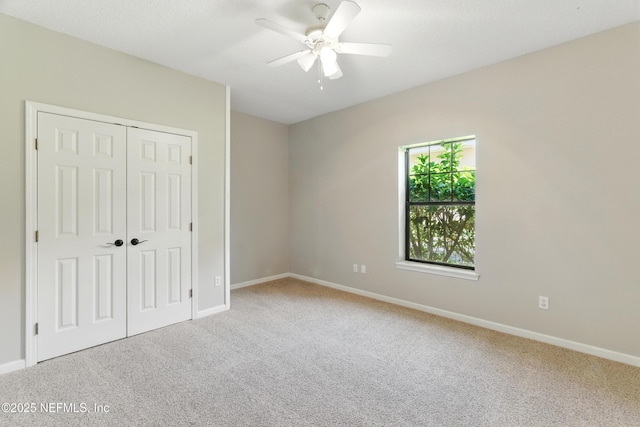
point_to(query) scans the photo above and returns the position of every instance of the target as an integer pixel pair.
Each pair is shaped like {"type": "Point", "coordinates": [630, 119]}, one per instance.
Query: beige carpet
{"type": "Point", "coordinates": [290, 353]}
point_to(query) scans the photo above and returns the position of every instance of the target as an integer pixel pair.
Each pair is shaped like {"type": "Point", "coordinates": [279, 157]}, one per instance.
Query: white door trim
{"type": "Point", "coordinates": [31, 208]}
{"type": "Point", "coordinates": [227, 200]}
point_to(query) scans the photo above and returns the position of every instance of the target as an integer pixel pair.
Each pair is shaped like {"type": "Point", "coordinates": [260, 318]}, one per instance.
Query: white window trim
{"type": "Point", "coordinates": [439, 270]}
{"type": "Point", "coordinates": [420, 267]}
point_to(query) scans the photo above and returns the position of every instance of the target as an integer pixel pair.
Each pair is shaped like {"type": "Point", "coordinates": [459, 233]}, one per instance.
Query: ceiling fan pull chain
{"type": "Point", "coordinates": [320, 73]}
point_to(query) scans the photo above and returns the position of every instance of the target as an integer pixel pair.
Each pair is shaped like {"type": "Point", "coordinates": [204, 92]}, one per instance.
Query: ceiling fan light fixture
{"type": "Point", "coordinates": [328, 57]}
{"type": "Point", "coordinates": [329, 69]}
{"type": "Point", "coordinates": [306, 62]}
{"type": "Point", "coordinates": [337, 74]}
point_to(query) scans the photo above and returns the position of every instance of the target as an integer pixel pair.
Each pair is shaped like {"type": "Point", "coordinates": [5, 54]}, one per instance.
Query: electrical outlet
{"type": "Point", "coordinates": [355, 268]}
{"type": "Point", "coordinates": [543, 303]}
{"type": "Point", "coordinates": [363, 269]}
{"type": "Point", "coordinates": [218, 281]}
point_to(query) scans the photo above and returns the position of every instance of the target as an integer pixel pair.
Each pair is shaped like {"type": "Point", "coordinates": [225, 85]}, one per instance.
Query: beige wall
{"type": "Point", "coordinates": [259, 198]}
{"type": "Point", "coordinates": [557, 196]}
{"type": "Point", "coordinates": [43, 66]}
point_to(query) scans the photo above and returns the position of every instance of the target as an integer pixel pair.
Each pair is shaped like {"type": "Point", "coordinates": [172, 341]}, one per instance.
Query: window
{"type": "Point", "coordinates": [440, 203]}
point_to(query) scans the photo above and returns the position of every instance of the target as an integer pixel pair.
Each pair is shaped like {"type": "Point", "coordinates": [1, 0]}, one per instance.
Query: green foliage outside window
{"type": "Point", "coordinates": [441, 206]}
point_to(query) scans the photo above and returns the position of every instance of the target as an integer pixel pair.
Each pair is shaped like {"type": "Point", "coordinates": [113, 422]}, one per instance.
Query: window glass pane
{"type": "Point", "coordinates": [440, 187]}
{"type": "Point", "coordinates": [464, 186]}
{"type": "Point", "coordinates": [468, 155]}
{"type": "Point", "coordinates": [444, 234]}
{"type": "Point", "coordinates": [419, 188]}
{"type": "Point", "coordinates": [419, 174]}
{"type": "Point", "coordinates": [415, 157]}
{"type": "Point", "coordinates": [441, 158]}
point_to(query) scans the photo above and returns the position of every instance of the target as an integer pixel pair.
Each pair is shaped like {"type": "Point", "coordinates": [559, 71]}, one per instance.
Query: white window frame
{"type": "Point", "coordinates": [421, 267]}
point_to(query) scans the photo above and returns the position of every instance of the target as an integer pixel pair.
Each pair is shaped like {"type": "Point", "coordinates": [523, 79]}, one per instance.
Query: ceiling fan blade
{"type": "Point", "coordinates": [288, 58]}
{"type": "Point", "coordinates": [364, 49]}
{"type": "Point", "coordinates": [307, 61]}
{"type": "Point", "coordinates": [346, 12]}
{"type": "Point", "coordinates": [281, 29]}
{"type": "Point", "coordinates": [337, 74]}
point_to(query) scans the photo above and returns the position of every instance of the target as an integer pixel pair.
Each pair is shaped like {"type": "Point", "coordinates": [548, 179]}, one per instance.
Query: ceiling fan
{"type": "Point", "coordinates": [322, 40]}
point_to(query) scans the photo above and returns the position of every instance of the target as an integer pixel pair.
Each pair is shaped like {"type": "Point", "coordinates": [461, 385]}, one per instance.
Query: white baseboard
{"type": "Point", "coordinates": [12, 366]}
{"type": "Point", "coordinates": [258, 281]}
{"type": "Point", "coordinates": [209, 311]}
{"type": "Point", "coordinates": [511, 330]}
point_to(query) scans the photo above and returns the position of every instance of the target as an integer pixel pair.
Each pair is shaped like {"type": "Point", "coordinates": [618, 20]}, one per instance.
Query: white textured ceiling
{"type": "Point", "coordinates": [219, 40]}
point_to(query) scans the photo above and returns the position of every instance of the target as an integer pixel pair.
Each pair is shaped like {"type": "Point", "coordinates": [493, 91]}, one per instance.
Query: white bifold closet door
{"type": "Point", "coordinates": [102, 188]}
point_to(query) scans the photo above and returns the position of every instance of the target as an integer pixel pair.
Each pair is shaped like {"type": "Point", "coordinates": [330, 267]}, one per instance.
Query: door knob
{"type": "Point", "coordinates": [135, 241]}
{"type": "Point", "coordinates": [116, 243]}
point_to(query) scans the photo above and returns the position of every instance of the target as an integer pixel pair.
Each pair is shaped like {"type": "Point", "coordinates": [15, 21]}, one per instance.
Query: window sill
{"type": "Point", "coordinates": [458, 273]}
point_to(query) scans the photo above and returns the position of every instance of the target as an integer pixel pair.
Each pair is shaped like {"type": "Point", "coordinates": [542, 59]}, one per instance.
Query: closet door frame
{"type": "Point", "coordinates": [31, 208]}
